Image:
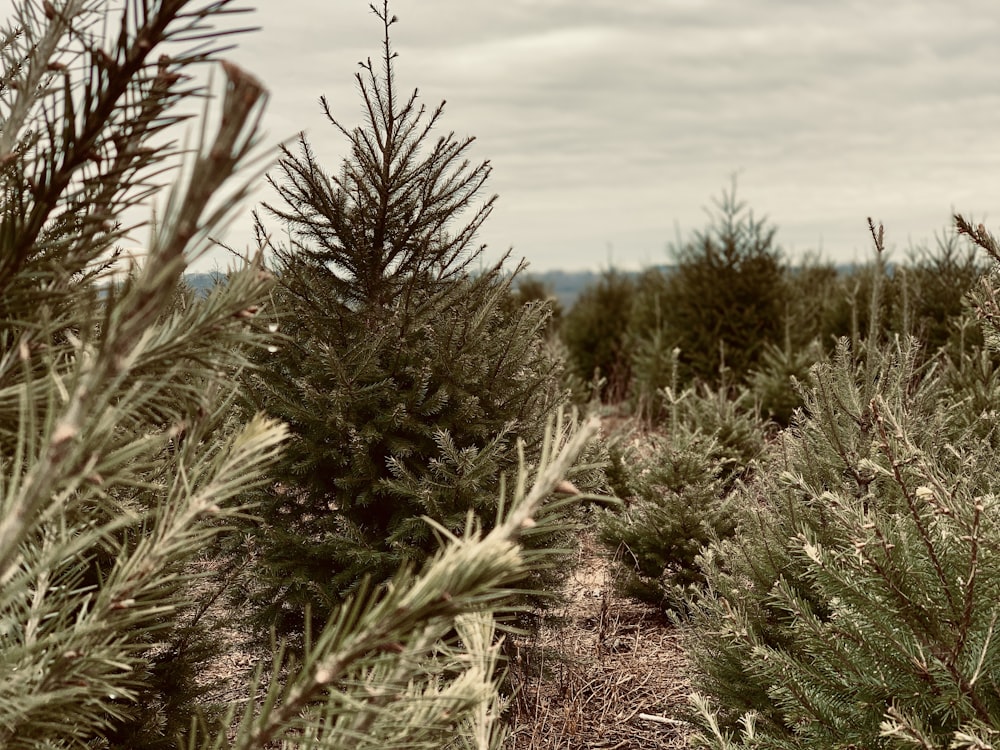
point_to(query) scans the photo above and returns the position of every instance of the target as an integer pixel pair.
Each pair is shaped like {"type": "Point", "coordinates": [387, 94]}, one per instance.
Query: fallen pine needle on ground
{"type": "Point", "coordinates": [601, 671]}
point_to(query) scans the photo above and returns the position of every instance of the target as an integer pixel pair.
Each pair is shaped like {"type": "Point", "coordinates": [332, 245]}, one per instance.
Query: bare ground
{"type": "Point", "coordinates": [603, 671]}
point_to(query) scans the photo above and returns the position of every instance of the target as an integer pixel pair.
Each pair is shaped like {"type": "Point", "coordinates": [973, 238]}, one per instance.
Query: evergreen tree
{"type": "Point", "coordinates": [726, 299]}
{"type": "Point", "coordinates": [935, 283]}
{"type": "Point", "coordinates": [867, 305]}
{"type": "Point", "coordinates": [775, 383]}
{"type": "Point", "coordinates": [677, 508]}
{"type": "Point", "coordinates": [856, 605]}
{"type": "Point", "coordinates": [677, 488]}
{"type": "Point", "coordinates": [595, 333]}
{"type": "Point", "coordinates": [407, 380]}
{"type": "Point", "coordinates": [651, 349]}
{"type": "Point", "coordinates": [102, 376]}
{"type": "Point", "coordinates": [120, 459]}
{"type": "Point", "coordinates": [532, 290]}
{"type": "Point", "coordinates": [813, 300]}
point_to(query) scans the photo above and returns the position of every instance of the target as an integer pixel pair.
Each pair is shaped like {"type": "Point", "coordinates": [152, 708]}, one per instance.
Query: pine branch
{"type": "Point", "coordinates": [471, 573]}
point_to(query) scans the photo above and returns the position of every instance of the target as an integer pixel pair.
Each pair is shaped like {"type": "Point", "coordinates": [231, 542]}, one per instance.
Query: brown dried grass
{"type": "Point", "coordinates": [601, 671]}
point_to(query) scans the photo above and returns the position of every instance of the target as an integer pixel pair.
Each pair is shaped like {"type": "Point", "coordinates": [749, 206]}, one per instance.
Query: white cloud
{"type": "Point", "coordinates": [609, 122]}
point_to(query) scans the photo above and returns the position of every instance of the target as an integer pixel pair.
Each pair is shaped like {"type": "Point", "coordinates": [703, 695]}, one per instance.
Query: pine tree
{"type": "Point", "coordinates": [533, 290]}
{"type": "Point", "coordinates": [857, 604]}
{"type": "Point", "coordinates": [121, 459]}
{"type": "Point", "coordinates": [726, 295]}
{"type": "Point", "coordinates": [406, 378]}
{"type": "Point", "coordinates": [775, 382]}
{"type": "Point", "coordinates": [936, 282]}
{"type": "Point", "coordinates": [595, 333]}
{"type": "Point", "coordinates": [677, 488]}
{"type": "Point", "coordinates": [678, 507]}
{"type": "Point", "coordinates": [115, 442]}
{"type": "Point", "coordinates": [814, 295]}
{"type": "Point", "coordinates": [652, 351]}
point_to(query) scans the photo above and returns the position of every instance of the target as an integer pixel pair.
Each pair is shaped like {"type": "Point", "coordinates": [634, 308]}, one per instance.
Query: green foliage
{"type": "Point", "coordinates": [676, 488]}
{"type": "Point", "coordinates": [849, 315]}
{"type": "Point", "coordinates": [102, 505]}
{"type": "Point", "coordinates": [936, 282]}
{"type": "Point", "coordinates": [121, 459]}
{"type": "Point", "coordinates": [650, 300]}
{"type": "Point", "coordinates": [856, 604]}
{"type": "Point", "coordinates": [973, 384]}
{"type": "Point", "coordinates": [816, 297]}
{"type": "Point", "coordinates": [654, 369]}
{"type": "Point", "coordinates": [408, 382]}
{"type": "Point", "coordinates": [738, 316]}
{"type": "Point", "coordinates": [618, 471]}
{"type": "Point", "coordinates": [775, 382]}
{"type": "Point", "coordinates": [726, 295]}
{"type": "Point", "coordinates": [731, 417]}
{"type": "Point", "coordinates": [924, 297]}
{"type": "Point", "coordinates": [414, 663]}
{"type": "Point", "coordinates": [595, 333]}
{"type": "Point", "coordinates": [676, 506]}
{"type": "Point", "coordinates": [653, 350]}
{"type": "Point", "coordinates": [530, 290]}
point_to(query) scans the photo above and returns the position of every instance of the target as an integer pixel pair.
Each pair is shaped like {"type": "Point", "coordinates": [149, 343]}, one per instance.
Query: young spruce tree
{"type": "Point", "coordinates": [595, 333]}
{"type": "Point", "coordinates": [119, 455]}
{"type": "Point", "coordinates": [676, 490]}
{"type": "Point", "coordinates": [406, 378]}
{"type": "Point", "coordinates": [726, 295]}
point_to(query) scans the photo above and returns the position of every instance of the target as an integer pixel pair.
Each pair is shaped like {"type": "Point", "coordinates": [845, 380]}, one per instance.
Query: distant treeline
{"type": "Point", "coordinates": [730, 313]}
{"type": "Point", "coordinates": [567, 285]}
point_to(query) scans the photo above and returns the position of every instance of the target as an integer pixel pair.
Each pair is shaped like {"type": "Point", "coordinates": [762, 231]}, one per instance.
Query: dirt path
{"type": "Point", "coordinates": [602, 672]}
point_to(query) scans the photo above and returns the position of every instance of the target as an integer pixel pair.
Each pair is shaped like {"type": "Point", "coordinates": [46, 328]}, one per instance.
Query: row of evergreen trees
{"type": "Point", "coordinates": [353, 435]}
{"type": "Point", "coordinates": [331, 439]}
{"type": "Point", "coordinates": [835, 579]}
{"type": "Point", "coordinates": [855, 605]}
{"type": "Point", "coordinates": [739, 315]}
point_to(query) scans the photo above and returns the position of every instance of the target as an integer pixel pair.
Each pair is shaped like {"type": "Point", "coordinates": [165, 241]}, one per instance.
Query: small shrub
{"type": "Point", "coordinates": [677, 488]}
{"type": "Point", "coordinates": [776, 381]}
{"type": "Point", "coordinates": [654, 369]}
{"type": "Point", "coordinates": [676, 506]}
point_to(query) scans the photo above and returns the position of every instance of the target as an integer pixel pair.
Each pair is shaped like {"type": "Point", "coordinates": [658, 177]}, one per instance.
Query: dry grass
{"type": "Point", "coordinates": [603, 671]}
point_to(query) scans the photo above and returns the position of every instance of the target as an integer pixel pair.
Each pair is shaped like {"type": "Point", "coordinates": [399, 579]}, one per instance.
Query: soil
{"type": "Point", "coordinates": [602, 671]}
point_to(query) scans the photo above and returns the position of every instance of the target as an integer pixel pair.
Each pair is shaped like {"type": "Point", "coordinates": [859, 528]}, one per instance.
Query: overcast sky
{"type": "Point", "coordinates": [611, 124]}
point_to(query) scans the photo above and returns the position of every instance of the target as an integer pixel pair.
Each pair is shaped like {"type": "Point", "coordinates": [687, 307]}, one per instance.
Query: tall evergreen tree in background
{"type": "Point", "coordinates": [726, 294]}
{"type": "Point", "coordinates": [405, 376]}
